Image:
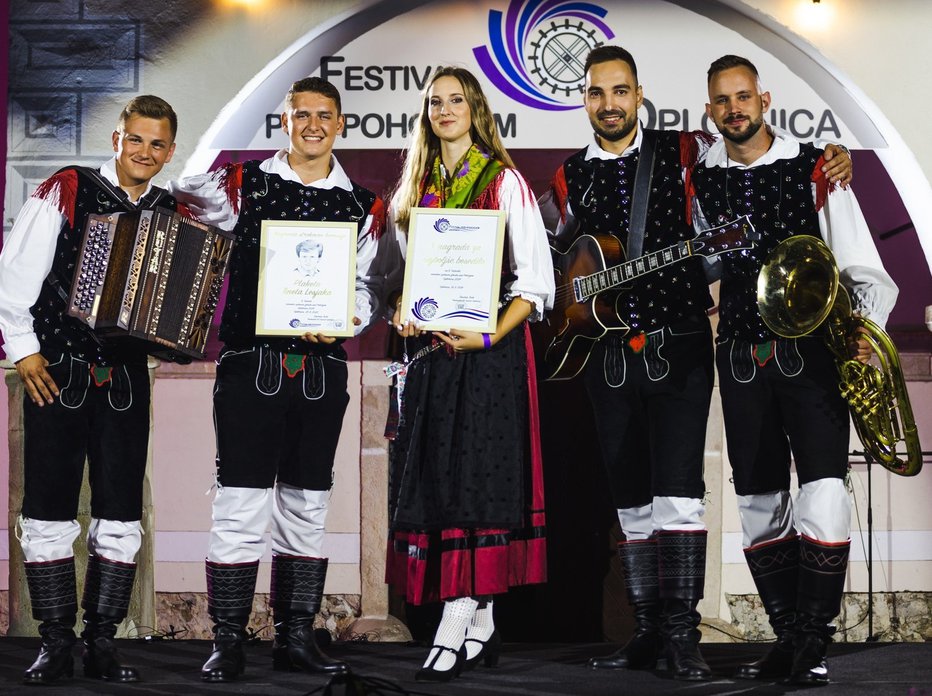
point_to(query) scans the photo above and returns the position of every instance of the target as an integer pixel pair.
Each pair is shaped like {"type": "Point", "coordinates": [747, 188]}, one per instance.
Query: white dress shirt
{"type": "Point", "coordinates": [26, 259]}
{"type": "Point", "coordinates": [843, 228]}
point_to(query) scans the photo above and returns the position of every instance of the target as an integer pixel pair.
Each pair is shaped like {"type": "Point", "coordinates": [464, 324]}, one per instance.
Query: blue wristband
{"type": "Point", "coordinates": [487, 341]}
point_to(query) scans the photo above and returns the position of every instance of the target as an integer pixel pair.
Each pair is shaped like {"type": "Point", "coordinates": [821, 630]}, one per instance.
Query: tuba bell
{"type": "Point", "coordinates": [797, 292]}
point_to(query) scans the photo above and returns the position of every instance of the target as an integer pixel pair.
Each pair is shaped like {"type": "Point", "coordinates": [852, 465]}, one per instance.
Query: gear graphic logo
{"type": "Point", "coordinates": [537, 49]}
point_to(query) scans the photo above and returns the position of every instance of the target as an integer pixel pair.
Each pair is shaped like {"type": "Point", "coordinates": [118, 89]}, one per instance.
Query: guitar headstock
{"type": "Point", "coordinates": [730, 236]}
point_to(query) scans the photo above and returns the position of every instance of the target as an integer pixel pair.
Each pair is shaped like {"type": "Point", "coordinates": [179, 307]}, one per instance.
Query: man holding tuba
{"type": "Point", "coordinates": [781, 395]}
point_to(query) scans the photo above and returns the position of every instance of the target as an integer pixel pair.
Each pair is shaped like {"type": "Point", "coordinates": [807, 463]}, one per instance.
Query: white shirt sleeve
{"type": "Point", "coordinates": [26, 259]}
{"type": "Point", "coordinates": [844, 229]}
{"type": "Point", "coordinates": [559, 226]}
{"type": "Point", "coordinates": [528, 248]}
{"type": "Point", "coordinates": [371, 272]}
{"type": "Point", "coordinates": [207, 199]}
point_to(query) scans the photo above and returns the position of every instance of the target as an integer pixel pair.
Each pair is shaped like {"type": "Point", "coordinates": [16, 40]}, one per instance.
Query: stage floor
{"type": "Point", "coordinates": [171, 667]}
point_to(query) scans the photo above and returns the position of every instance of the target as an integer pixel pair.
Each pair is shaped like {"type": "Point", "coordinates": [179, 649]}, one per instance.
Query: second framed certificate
{"type": "Point", "coordinates": [307, 278]}
{"type": "Point", "coordinates": [453, 269]}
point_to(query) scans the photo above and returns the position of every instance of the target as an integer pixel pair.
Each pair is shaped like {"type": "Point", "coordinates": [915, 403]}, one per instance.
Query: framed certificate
{"type": "Point", "coordinates": [307, 278]}
{"type": "Point", "coordinates": [453, 269]}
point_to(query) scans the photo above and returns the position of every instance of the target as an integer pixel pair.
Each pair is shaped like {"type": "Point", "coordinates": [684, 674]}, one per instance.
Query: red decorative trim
{"type": "Point", "coordinates": [689, 156]}
{"type": "Point", "coordinates": [217, 564]}
{"type": "Point", "coordinates": [58, 561]}
{"type": "Point", "coordinates": [231, 181]}
{"type": "Point", "coordinates": [637, 342]}
{"type": "Point", "coordinates": [100, 380]}
{"type": "Point", "coordinates": [292, 366]}
{"type": "Point", "coordinates": [560, 195]}
{"type": "Point", "coordinates": [822, 185]}
{"type": "Point", "coordinates": [763, 353]}
{"type": "Point", "coordinates": [649, 540]}
{"type": "Point", "coordinates": [773, 542]}
{"type": "Point", "coordinates": [490, 198]}
{"type": "Point", "coordinates": [378, 218]}
{"type": "Point", "coordinates": [65, 186]}
{"type": "Point", "coordinates": [819, 542]}
{"type": "Point", "coordinates": [537, 458]}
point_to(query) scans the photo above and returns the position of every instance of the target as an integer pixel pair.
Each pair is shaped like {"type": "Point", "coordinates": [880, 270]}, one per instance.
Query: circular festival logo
{"type": "Point", "coordinates": [537, 50]}
{"type": "Point", "coordinates": [560, 56]}
{"type": "Point", "coordinates": [425, 308]}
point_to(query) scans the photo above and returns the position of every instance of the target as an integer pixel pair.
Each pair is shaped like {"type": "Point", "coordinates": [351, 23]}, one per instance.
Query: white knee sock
{"type": "Point", "coordinates": [457, 613]}
{"type": "Point", "coordinates": [480, 628]}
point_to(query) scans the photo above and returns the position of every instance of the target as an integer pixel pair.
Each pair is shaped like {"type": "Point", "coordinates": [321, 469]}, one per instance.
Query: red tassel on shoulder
{"type": "Point", "coordinates": [689, 156]}
{"type": "Point", "coordinates": [558, 186]}
{"type": "Point", "coordinates": [689, 147]}
{"type": "Point", "coordinates": [823, 186]}
{"type": "Point", "coordinates": [231, 181]}
{"type": "Point", "coordinates": [378, 218]}
{"type": "Point", "coordinates": [64, 185]}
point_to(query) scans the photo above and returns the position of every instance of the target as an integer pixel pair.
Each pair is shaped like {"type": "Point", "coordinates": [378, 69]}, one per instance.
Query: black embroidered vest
{"type": "Point", "coordinates": [269, 197]}
{"type": "Point", "coordinates": [599, 192]}
{"type": "Point", "coordinates": [56, 330]}
{"type": "Point", "coordinates": [778, 198]}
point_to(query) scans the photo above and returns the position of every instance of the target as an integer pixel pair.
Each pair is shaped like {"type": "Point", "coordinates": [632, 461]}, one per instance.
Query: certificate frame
{"type": "Point", "coordinates": [453, 269]}
{"type": "Point", "coordinates": [297, 295]}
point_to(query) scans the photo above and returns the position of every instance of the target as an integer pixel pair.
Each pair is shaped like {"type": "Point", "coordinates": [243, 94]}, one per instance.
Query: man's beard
{"type": "Point", "coordinates": [745, 135]}
{"type": "Point", "coordinates": [623, 130]}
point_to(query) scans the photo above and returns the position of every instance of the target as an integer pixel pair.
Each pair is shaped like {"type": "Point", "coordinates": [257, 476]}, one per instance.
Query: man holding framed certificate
{"type": "Point", "coordinates": [307, 242]}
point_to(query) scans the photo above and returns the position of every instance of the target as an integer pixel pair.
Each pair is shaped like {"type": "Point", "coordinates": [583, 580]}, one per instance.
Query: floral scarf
{"type": "Point", "coordinates": [471, 177]}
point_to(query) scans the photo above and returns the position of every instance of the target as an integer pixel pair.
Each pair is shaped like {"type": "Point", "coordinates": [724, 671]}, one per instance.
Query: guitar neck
{"type": "Point", "coordinates": [586, 286]}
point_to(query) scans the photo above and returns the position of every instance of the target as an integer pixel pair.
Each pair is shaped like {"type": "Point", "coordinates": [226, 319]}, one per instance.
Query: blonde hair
{"type": "Point", "coordinates": [424, 145]}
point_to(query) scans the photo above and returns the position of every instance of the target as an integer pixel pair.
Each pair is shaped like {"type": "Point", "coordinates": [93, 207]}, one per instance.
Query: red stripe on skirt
{"type": "Point", "coordinates": [419, 568]}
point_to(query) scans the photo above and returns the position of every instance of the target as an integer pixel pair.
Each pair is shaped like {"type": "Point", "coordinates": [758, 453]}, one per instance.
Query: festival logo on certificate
{"type": "Point", "coordinates": [453, 269]}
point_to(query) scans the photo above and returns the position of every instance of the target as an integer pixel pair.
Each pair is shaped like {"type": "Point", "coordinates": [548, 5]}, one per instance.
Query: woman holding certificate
{"type": "Point", "coordinates": [466, 506]}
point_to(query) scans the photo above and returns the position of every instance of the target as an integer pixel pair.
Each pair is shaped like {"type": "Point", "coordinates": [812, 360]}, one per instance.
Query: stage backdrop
{"type": "Point", "coordinates": [529, 56]}
{"type": "Point", "coordinates": [226, 64]}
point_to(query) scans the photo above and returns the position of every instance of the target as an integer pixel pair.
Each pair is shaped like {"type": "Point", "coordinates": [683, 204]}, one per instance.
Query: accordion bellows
{"type": "Point", "coordinates": [153, 275]}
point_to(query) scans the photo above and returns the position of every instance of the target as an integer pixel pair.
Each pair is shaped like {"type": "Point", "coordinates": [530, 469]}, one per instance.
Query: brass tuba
{"type": "Point", "coordinates": [797, 292]}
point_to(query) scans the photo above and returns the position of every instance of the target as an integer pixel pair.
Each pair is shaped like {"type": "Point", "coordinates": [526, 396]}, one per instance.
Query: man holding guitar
{"type": "Point", "coordinates": [647, 358]}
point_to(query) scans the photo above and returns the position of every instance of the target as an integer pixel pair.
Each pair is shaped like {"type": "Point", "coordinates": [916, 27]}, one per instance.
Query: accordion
{"type": "Point", "coordinates": [153, 275]}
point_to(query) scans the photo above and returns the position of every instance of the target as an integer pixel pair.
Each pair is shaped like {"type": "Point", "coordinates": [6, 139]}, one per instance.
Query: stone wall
{"type": "Point", "coordinates": [184, 614]}
{"type": "Point", "coordinates": [897, 617]}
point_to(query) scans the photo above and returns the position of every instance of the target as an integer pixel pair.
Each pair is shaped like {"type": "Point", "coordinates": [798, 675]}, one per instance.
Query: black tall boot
{"type": "Point", "coordinates": [230, 589]}
{"type": "Point", "coordinates": [822, 568]}
{"type": "Point", "coordinates": [682, 577]}
{"type": "Point", "coordinates": [297, 589]}
{"type": "Point", "coordinates": [107, 589]}
{"type": "Point", "coordinates": [774, 566]}
{"type": "Point", "coordinates": [54, 598]}
{"type": "Point", "coordinates": [639, 561]}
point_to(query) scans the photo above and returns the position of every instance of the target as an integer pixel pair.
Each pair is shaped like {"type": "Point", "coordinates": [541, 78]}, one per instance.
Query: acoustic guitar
{"type": "Point", "coordinates": [594, 264]}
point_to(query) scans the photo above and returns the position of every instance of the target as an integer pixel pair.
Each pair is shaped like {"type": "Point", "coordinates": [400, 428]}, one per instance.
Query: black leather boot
{"type": "Point", "coordinates": [297, 590]}
{"type": "Point", "coordinates": [107, 589]}
{"type": "Point", "coordinates": [53, 594]}
{"type": "Point", "coordinates": [822, 569]}
{"type": "Point", "coordinates": [230, 590]}
{"type": "Point", "coordinates": [639, 561]}
{"type": "Point", "coordinates": [774, 565]}
{"type": "Point", "coordinates": [681, 562]}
